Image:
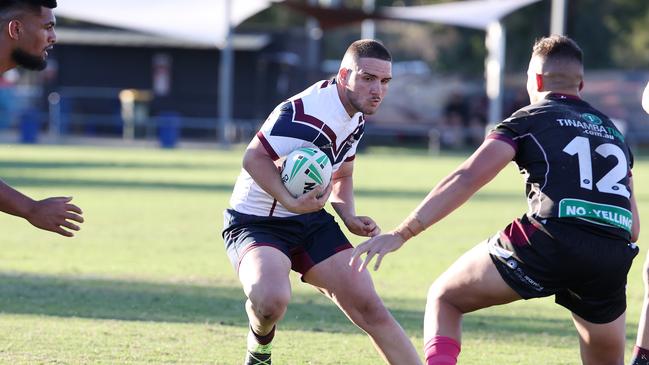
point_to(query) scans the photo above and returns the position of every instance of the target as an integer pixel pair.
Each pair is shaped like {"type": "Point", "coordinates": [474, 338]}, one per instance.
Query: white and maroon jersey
{"type": "Point", "coordinates": [313, 118]}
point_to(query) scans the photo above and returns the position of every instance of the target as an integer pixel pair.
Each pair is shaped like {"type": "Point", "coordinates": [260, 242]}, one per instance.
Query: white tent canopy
{"type": "Point", "coordinates": [199, 21]}
{"type": "Point", "coordinates": [210, 22]}
{"type": "Point", "coordinates": [207, 22]}
{"type": "Point", "coordinates": [478, 14]}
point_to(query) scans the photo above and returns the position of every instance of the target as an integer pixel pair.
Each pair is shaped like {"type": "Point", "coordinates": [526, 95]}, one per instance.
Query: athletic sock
{"type": "Point", "coordinates": [259, 348]}
{"type": "Point", "coordinates": [640, 356]}
{"type": "Point", "coordinates": [260, 344]}
{"type": "Point", "coordinates": [441, 350]}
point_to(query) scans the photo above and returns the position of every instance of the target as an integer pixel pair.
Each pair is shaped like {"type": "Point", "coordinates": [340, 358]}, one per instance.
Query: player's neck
{"type": "Point", "coordinates": [6, 61]}
{"type": "Point", "coordinates": [342, 96]}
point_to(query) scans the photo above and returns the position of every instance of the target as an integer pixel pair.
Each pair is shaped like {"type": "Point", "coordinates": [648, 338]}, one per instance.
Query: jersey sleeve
{"type": "Point", "coordinates": [280, 135]}
{"type": "Point", "coordinates": [510, 129]}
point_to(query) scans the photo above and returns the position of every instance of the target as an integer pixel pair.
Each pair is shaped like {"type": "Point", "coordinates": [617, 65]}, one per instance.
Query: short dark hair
{"type": "Point", "coordinates": [557, 47]}
{"type": "Point", "coordinates": [35, 5]}
{"type": "Point", "coordinates": [369, 48]}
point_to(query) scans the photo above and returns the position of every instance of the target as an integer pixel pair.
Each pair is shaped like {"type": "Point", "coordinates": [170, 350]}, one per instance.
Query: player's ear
{"type": "Point", "coordinates": [15, 28]}
{"type": "Point", "coordinates": [341, 75]}
{"type": "Point", "coordinates": [581, 85]}
{"type": "Point", "coordinates": [539, 82]}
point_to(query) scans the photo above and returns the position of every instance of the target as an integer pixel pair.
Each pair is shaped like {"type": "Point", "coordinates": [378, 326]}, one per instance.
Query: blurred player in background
{"type": "Point", "coordinates": [645, 98]}
{"type": "Point", "coordinates": [268, 232]}
{"type": "Point", "coordinates": [641, 349]}
{"type": "Point", "coordinates": [576, 240]}
{"type": "Point", "coordinates": [27, 35]}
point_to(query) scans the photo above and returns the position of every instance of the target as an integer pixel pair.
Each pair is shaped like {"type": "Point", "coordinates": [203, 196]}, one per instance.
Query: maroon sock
{"type": "Point", "coordinates": [441, 350]}
{"type": "Point", "coordinates": [640, 356]}
{"type": "Point", "coordinates": [265, 339]}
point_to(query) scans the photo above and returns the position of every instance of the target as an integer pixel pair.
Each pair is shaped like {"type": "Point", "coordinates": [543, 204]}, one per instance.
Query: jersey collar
{"type": "Point", "coordinates": [560, 96]}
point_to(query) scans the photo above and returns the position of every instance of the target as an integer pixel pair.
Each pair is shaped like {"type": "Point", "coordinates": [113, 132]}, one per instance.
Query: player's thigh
{"type": "Point", "coordinates": [472, 282]}
{"type": "Point", "coordinates": [336, 279]}
{"type": "Point", "coordinates": [601, 343]}
{"type": "Point", "coordinates": [264, 272]}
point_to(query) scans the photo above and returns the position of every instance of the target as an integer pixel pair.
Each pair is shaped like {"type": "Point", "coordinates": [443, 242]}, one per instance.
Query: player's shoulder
{"type": "Point", "coordinates": [542, 108]}
{"type": "Point", "coordinates": [315, 90]}
{"type": "Point", "coordinates": [283, 111]}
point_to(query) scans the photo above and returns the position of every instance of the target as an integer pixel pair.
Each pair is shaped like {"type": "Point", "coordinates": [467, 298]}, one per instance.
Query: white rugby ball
{"type": "Point", "coordinates": [304, 169]}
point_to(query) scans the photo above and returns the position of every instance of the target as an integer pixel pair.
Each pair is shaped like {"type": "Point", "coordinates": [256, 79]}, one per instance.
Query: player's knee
{"type": "Point", "coordinates": [369, 312]}
{"type": "Point", "coordinates": [440, 296]}
{"type": "Point", "coordinates": [271, 306]}
{"type": "Point", "coordinates": [604, 356]}
{"type": "Point", "coordinates": [438, 292]}
{"type": "Point", "coordinates": [604, 350]}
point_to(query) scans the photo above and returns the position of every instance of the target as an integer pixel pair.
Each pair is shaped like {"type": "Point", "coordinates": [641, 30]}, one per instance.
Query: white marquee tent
{"type": "Point", "coordinates": [199, 21]}
{"type": "Point", "coordinates": [211, 21]}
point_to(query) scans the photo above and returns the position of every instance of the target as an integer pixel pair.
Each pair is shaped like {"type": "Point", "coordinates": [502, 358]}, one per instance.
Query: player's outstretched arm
{"type": "Point", "coordinates": [51, 214]}
{"type": "Point", "coordinates": [342, 200]}
{"type": "Point", "coordinates": [263, 170]}
{"type": "Point", "coordinates": [455, 189]}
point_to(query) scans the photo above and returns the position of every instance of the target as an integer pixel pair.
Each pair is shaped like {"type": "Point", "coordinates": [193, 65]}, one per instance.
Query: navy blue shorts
{"type": "Point", "coordinates": [306, 239]}
{"type": "Point", "coordinates": [585, 270]}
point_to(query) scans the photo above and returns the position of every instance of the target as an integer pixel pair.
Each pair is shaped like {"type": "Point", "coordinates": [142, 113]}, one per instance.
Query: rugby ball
{"type": "Point", "coordinates": [304, 169]}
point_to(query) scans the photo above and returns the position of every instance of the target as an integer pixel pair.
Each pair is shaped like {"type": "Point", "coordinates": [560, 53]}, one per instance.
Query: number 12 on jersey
{"type": "Point", "coordinates": [609, 183]}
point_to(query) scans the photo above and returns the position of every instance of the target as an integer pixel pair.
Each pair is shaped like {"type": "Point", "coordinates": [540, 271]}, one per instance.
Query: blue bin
{"type": "Point", "coordinates": [168, 129]}
{"type": "Point", "coordinates": [29, 126]}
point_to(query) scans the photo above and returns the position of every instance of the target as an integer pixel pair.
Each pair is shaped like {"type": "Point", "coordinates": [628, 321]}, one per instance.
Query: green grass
{"type": "Point", "coordinates": [147, 280]}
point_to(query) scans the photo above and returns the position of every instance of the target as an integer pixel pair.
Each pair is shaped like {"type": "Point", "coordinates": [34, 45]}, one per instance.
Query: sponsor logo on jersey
{"type": "Point", "coordinates": [592, 125]}
{"type": "Point", "coordinates": [602, 213]}
{"type": "Point", "coordinates": [591, 118]}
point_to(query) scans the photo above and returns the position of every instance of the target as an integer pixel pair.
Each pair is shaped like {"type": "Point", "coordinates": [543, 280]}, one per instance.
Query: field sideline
{"type": "Point", "coordinates": [147, 280]}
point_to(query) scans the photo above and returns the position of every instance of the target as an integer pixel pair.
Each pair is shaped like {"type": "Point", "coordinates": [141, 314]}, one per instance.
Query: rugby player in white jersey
{"type": "Point", "coordinates": [268, 232]}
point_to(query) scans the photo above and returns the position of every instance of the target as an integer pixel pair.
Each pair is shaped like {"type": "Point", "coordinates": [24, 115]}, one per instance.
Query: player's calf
{"type": "Point", "coordinates": [441, 350]}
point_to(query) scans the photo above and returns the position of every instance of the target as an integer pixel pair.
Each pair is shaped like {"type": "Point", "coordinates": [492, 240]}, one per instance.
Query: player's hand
{"type": "Point", "coordinates": [378, 246]}
{"type": "Point", "coordinates": [310, 202]}
{"type": "Point", "coordinates": [362, 226]}
{"type": "Point", "coordinates": [55, 215]}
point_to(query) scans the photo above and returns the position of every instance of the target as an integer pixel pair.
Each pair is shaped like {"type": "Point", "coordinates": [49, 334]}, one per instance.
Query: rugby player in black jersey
{"type": "Point", "coordinates": [576, 240]}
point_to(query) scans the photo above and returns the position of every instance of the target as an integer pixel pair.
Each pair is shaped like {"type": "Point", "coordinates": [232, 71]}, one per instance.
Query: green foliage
{"type": "Point", "coordinates": [147, 280]}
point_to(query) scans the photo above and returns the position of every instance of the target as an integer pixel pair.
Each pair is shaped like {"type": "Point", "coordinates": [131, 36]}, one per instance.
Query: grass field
{"type": "Point", "coordinates": [147, 280]}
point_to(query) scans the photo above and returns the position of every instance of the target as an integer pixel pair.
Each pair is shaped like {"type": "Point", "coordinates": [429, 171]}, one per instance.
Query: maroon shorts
{"type": "Point", "coordinates": [583, 268]}
{"type": "Point", "coordinates": [306, 239]}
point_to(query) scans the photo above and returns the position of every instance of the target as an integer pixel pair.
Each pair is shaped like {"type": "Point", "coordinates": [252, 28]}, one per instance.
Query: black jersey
{"type": "Point", "coordinates": [576, 163]}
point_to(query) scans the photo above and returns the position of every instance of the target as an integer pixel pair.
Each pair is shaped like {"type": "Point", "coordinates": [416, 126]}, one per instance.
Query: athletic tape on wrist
{"type": "Point", "coordinates": [410, 227]}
